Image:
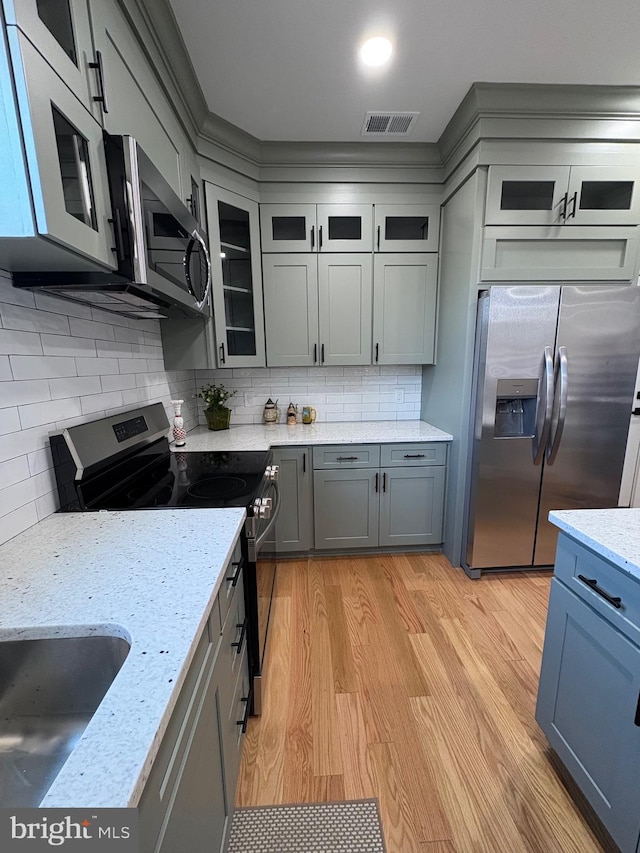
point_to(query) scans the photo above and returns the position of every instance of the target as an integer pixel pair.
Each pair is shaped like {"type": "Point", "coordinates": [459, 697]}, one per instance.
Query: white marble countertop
{"type": "Point", "coordinates": [149, 576]}
{"type": "Point", "coordinates": [612, 533]}
{"type": "Point", "coordinates": [264, 436]}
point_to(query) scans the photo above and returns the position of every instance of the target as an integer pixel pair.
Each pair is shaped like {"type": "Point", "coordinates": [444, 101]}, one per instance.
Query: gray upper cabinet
{"type": "Point", "coordinates": [317, 309]}
{"type": "Point", "coordinates": [404, 308]}
{"type": "Point", "coordinates": [135, 103]}
{"type": "Point", "coordinates": [237, 280]}
{"type": "Point", "coordinates": [316, 228]}
{"type": "Point", "coordinates": [56, 182]}
{"type": "Point", "coordinates": [60, 30]}
{"type": "Point", "coordinates": [407, 227]}
{"type": "Point", "coordinates": [563, 195]}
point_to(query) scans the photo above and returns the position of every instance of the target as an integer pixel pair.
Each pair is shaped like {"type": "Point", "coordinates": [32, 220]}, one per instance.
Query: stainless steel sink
{"type": "Point", "coordinates": [49, 690]}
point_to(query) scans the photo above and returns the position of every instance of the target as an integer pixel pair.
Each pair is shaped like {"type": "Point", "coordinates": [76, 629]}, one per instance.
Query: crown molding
{"type": "Point", "coordinates": [521, 109]}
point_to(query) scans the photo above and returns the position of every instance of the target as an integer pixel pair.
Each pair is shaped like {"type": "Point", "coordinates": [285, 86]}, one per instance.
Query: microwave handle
{"type": "Point", "coordinates": [196, 238]}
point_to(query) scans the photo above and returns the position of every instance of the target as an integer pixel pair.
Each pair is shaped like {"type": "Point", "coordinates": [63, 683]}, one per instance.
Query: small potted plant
{"type": "Point", "coordinates": [217, 414]}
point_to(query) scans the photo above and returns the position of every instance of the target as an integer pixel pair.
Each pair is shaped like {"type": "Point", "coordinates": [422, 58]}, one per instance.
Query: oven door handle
{"type": "Point", "coordinates": [274, 516]}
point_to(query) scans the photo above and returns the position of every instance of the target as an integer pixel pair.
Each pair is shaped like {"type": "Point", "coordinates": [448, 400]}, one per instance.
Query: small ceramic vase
{"type": "Point", "coordinates": [179, 432]}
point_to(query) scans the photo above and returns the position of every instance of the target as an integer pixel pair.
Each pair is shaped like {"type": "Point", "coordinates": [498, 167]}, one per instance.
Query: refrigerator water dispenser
{"type": "Point", "coordinates": [516, 401]}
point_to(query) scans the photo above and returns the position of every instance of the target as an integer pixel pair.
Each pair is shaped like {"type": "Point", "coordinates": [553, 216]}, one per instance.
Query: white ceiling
{"type": "Point", "coordinates": [287, 70]}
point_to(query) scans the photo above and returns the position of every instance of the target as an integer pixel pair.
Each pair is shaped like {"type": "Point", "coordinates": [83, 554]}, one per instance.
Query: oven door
{"type": "Point", "coordinates": [260, 584]}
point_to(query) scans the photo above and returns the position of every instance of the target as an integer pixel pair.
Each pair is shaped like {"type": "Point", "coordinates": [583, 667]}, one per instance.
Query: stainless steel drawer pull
{"type": "Point", "coordinates": [414, 455]}
{"type": "Point", "coordinates": [592, 583]}
{"type": "Point", "coordinates": [346, 458]}
{"type": "Point", "coordinates": [240, 641]}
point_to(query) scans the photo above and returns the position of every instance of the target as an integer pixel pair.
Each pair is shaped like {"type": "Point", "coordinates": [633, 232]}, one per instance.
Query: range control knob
{"type": "Point", "coordinates": [272, 472]}
{"type": "Point", "coordinates": [262, 507]}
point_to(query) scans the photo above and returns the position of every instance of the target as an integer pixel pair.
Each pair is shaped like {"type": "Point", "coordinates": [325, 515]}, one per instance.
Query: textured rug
{"type": "Point", "coordinates": [347, 827]}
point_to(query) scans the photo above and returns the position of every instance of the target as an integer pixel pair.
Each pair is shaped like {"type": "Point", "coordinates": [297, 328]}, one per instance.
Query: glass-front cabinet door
{"type": "Point", "coordinates": [61, 32]}
{"type": "Point", "coordinates": [237, 281]}
{"type": "Point", "coordinates": [65, 153]}
{"type": "Point", "coordinates": [345, 227]}
{"type": "Point", "coordinates": [603, 195]}
{"type": "Point", "coordinates": [407, 227]}
{"type": "Point", "coordinates": [288, 228]}
{"type": "Point", "coordinates": [563, 195]}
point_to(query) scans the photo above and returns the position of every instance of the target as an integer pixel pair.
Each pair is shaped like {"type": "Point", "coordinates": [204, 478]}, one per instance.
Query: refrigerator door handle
{"type": "Point", "coordinates": [563, 393]}
{"type": "Point", "coordinates": [544, 409]}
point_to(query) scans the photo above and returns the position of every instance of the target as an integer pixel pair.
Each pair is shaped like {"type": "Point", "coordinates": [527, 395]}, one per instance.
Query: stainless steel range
{"type": "Point", "coordinates": [124, 462]}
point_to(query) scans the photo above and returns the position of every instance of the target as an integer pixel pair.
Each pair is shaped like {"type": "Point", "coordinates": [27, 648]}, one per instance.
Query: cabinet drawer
{"type": "Point", "coordinates": [409, 455]}
{"type": "Point", "coordinates": [231, 584]}
{"type": "Point", "coordinates": [573, 560]}
{"type": "Point", "coordinates": [347, 456]}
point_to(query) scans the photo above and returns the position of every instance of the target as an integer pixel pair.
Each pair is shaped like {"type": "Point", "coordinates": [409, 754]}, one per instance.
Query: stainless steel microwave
{"type": "Point", "coordinates": [163, 265]}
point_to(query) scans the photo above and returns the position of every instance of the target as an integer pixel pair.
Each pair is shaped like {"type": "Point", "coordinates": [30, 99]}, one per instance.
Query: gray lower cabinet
{"type": "Point", "coordinates": [294, 528]}
{"type": "Point", "coordinates": [589, 694]}
{"type": "Point", "coordinates": [372, 495]}
{"type": "Point", "coordinates": [188, 800]}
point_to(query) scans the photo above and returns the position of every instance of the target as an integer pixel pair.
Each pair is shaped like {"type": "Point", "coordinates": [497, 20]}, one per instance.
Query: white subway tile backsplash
{"type": "Point", "coordinates": [14, 470]}
{"type": "Point", "coordinates": [48, 302]}
{"type": "Point", "coordinates": [96, 366]}
{"type": "Point", "coordinates": [66, 345]}
{"type": "Point", "coordinates": [9, 420]}
{"type": "Point", "coordinates": [131, 336]}
{"type": "Point", "coordinates": [129, 365]}
{"type": "Point", "coordinates": [17, 495]}
{"type": "Point", "coordinates": [14, 295]}
{"type": "Point", "coordinates": [117, 382]}
{"type": "Point", "coordinates": [19, 343]}
{"type": "Point", "coordinates": [99, 402]}
{"type": "Point", "coordinates": [5, 370]}
{"type": "Point", "coordinates": [37, 414]}
{"type": "Point", "coordinates": [39, 461]}
{"type": "Point", "coordinates": [113, 349]}
{"type": "Point", "coordinates": [31, 320]}
{"type": "Point", "coordinates": [91, 329]}
{"type": "Point", "coordinates": [74, 386]}
{"type": "Point", "coordinates": [17, 521]}
{"type": "Point", "coordinates": [24, 391]}
{"type": "Point", "coordinates": [42, 366]}
{"type": "Point", "coordinates": [47, 504]}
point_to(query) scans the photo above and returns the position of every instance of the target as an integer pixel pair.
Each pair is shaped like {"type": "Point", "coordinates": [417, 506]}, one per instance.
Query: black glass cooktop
{"type": "Point", "coordinates": [178, 479]}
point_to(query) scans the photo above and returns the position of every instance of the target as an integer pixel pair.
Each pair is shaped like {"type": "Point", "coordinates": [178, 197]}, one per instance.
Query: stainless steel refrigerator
{"type": "Point", "coordinates": [554, 379]}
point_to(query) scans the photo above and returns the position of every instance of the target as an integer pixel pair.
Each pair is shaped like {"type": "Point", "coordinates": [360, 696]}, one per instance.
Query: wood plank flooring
{"type": "Point", "coordinates": [397, 677]}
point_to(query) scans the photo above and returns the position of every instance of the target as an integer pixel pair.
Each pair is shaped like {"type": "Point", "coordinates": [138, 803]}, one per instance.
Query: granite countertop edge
{"type": "Point", "coordinates": [128, 574]}
{"type": "Point", "coordinates": [612, 533]}
{"type": "Point", "coordinates": [265, 436]}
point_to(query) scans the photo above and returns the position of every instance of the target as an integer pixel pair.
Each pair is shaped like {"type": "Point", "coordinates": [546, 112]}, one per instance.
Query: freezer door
{"type": "Point", "coordinates": [599, 332]}
{"type": "Point", "coordinates": [516, 324]}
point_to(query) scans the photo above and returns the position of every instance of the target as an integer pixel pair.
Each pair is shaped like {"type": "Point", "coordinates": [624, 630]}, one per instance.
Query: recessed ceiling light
{"type": "Point", "coordinates": [376, 51]}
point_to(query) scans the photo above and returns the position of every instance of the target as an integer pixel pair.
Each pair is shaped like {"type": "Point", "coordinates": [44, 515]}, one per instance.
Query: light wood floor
{"type": "Point", "coordinates": [399, 678]}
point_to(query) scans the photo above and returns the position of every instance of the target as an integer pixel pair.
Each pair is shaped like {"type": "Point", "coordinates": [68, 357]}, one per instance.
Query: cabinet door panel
{"type": "Point", "coordinates": [345, 227]}
{"type": "Point", "coordinates": [345, 508]}
{"type": "Point", "coordinates": [411, 506]}
{"type": "Point", "coordinates": [61, 32]}
{"type": "Point", "coordinates": [404, 308]}
{"type": "Point", "coordinates": [344, 297]}
{"type": "Point", "coordinates": [237, 280]}
{"type": "Point", "coordinates": [197, 814]}
{"type": "Point", "coordinates": [587, 702]}
{"type": "Point", "coordinates": [137, 103]}
{"type": "Point", "coordinates": [288, 228]}
{"type": "Point", "coordinates": [526, 195]}
{"type": "Point", "coordinates": [560, 254]}
{"type": "Point", "coordinates": [604, 195]}
{"type": "Point", "coordinates": [291, 309]}
{"type": "Point", "coordinates": [407, 227]}
{"type": "Point", "coordinates": [66, 160]}
{"type": "Point", "coordinates": [294, 527]}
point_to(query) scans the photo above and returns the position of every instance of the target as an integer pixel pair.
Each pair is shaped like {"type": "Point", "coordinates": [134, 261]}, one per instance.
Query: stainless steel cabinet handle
{"type": "Point", "coordinates": [544, 408]}
{"type": "Point", "coordinates": [243, 633]}
{"type": "Point", "coordinates": [233, 580]}
{"type": "Point", "coordinates": [102, 97]}
{"type": "Point", "coordinates": [562, 397]}
{"type": "Point", "coordinates": [592, 583]}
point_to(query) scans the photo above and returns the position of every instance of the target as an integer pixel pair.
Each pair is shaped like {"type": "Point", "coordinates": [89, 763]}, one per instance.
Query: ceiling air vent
{"type": "Point", "coordinates": [388, 124]}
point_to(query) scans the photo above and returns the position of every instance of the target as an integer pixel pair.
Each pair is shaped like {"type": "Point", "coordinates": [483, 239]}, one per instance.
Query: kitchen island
{"type": "Point", "coordinates": [150, 577]}
{"type": "Point", "coordinates": [589, 692]}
